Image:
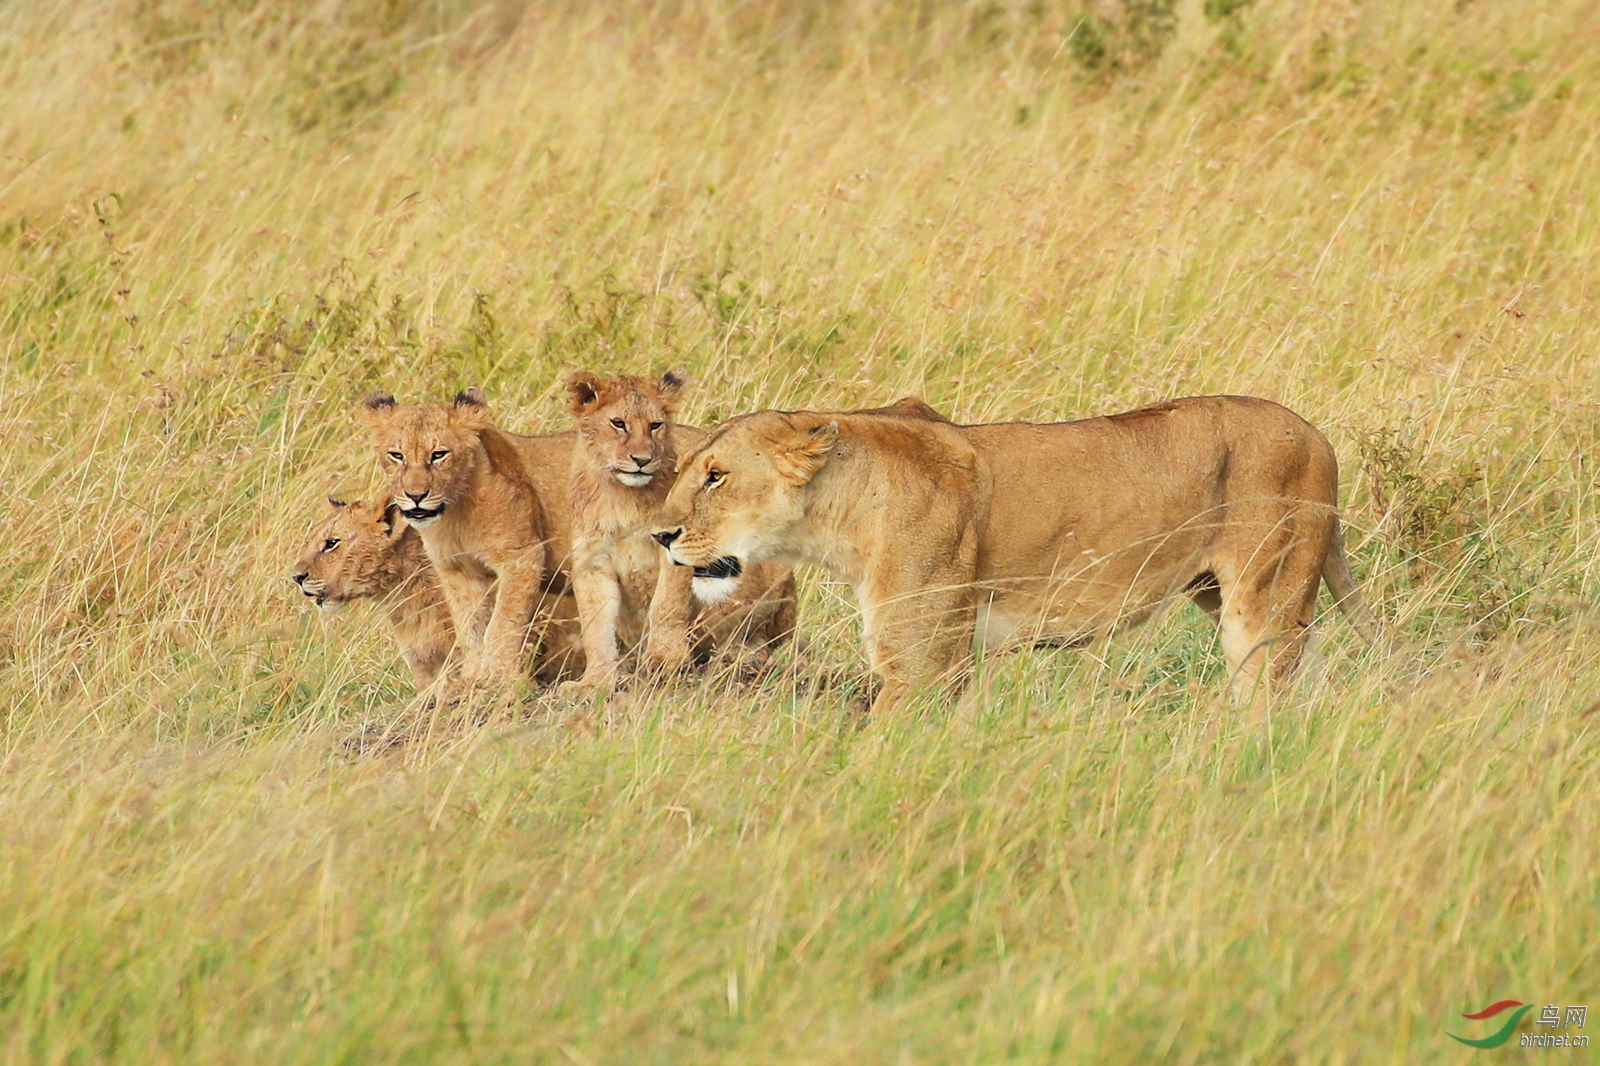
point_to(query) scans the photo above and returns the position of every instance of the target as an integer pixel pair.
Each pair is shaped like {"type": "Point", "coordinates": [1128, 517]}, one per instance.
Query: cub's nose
{"type": "Point", "coordinates": [300, 577]}
{"type": "Point", "coordinates": [640, 463]}
{"type": "Point", "coordinates": [665, 537]}
{"type": "Point", "coordinates": [416, 497]}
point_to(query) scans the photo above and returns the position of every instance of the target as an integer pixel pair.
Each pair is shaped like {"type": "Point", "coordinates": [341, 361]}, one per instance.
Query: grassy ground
{"type": "Point", "coordinates": [221, 222]}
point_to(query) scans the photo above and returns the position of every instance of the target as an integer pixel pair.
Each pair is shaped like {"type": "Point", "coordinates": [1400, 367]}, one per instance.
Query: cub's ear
{"type": "Point", "coordinates": [583, 391]}
{"type": "Point", "coordinates": [390, 522]}
{"type": "Point", "coordinates": [470, 408]}
{"type": "Point", "coordinates": [670, 389]}
{"type": "Point", "coordinates": [336, 503]}
{"type": "Point", "coordinates": [376, 407]}
{"type": "Point", "coordinates": [803, 452]}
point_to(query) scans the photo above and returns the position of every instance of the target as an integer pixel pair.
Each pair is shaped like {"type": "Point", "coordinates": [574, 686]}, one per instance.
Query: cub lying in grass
{"type": "Point", "coordinates": [365, 551]}
{"type": "Point", "coordinates": [466, 487]}
{"type": "Point", "coordinates": [622, 468]}
{"type": "Point", "coordinates": [956, 536]}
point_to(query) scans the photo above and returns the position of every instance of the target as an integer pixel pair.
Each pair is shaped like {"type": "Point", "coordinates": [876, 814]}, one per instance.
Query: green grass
{"type": "Point", "coordinates": [221, 222]}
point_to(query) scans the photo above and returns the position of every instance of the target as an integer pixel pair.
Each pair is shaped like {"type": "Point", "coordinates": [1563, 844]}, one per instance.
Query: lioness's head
{"type": "Point", "coordinates": [740, 494]}
{"type": "Point", "coordinates": [429, 450]}
{"type": "Point", "coordinates": [625, 423]}
{"type": "Point", "coordinates": [352, 554]}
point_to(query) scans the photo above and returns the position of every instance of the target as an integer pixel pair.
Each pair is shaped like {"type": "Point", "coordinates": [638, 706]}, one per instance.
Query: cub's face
{"type": "Point", "coordinates": [740, 495]}
{"type": "Point", "coordinates": [351, 553]}
{"type": "Point", "coordinates": [429, 450]}
{"type": "Point", "coordinates": [625, 424]}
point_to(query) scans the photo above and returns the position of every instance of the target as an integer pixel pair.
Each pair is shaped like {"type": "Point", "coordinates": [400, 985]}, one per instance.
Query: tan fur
{"type": "Point", "coordinates": [464, 486]}
{"type": "Point", "coordinates": [622, 468]}
{"type": "Point", "coordinates": [963, 536]}
{"type": "Point", "coordinates": [366, 551]}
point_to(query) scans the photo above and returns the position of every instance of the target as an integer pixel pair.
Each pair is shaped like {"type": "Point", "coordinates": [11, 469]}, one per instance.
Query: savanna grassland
{"type": "Point", "coordinates": [221, 221]}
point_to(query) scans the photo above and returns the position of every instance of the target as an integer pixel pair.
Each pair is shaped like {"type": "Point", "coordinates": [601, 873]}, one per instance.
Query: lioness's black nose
{"type": "Point", "coordinates": [666, 536]}
{"type": "Point", "coordinates": [300, 578]}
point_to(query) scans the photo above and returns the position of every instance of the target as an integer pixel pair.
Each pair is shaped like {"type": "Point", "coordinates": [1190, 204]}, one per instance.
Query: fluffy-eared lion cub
{"type": "Point", "coordinates": [365, 551]}
{"type": "Point", "coordinates": [464, 486]}
{"type": "Point", "coordinates": [622, 467]}
{"type": "Point", "coordinates": [1018, 533]}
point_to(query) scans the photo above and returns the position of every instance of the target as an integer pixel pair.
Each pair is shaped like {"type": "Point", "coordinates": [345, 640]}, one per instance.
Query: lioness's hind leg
{"type": "Point", "coordinates": [1265, 615]}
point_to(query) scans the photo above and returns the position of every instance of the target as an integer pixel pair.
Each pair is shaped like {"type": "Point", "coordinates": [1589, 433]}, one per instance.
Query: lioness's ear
{"type": "Point", "coordinates": [583, 391]}
{"type": "Point", "coordinates": [799, 457]}
{"type": "Point", "coordinates": [670, 390]}
{"type": "Point", "coordinates": [470, 408]}
{"type": "Point", "coordinates": [376, 407]}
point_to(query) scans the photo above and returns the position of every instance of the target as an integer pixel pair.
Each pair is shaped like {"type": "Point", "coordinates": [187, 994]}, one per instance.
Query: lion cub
{"type": "Point", "coordinates": [365, 551]}
{"type": "Point", "coordinates": [622, 468]}
{"type": "Point", "coordinates": [462, 485]}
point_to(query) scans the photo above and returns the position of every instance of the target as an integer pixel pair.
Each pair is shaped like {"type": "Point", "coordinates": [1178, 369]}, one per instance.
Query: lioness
{"type": "Point", "coordinates": [365, 551]}
{"type": "Point", "coordinates": [956, 536]}
{"type": "Point", "coordinates": [470, 491]}
{"type": "Point", "coordinates": [622, 468]}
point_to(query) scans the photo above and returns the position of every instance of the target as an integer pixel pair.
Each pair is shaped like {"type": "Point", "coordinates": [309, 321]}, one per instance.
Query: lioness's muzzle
{"type": "Point", "coordinates": [725, 567]}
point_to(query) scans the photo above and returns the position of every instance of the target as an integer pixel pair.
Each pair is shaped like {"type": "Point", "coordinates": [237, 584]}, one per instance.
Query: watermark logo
{"type": "Point", "coordinates": [1550, 1016]}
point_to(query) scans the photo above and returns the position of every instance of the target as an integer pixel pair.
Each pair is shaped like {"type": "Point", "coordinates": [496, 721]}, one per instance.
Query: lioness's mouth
{"type": "Point", "coordinates": [725, 567]}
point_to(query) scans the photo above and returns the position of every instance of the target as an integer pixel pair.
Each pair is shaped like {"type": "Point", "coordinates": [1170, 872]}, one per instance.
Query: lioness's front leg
{"type": "Point", "coordinates": [599, 597]}
{"type": "Point", "coordinates": [516, 592]}
{"type": "Point", "coordinates": [917, 639]}
{"type": "Point", "coordinates": [667, 645]}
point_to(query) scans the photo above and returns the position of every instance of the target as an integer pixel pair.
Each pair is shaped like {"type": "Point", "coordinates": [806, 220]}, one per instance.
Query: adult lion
{"type": "Point", "coordinates": [1020, 533]}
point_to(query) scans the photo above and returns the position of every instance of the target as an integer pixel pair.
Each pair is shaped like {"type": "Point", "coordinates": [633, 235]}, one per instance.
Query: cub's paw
{"type": "Point", "coordinates": [583, 689]}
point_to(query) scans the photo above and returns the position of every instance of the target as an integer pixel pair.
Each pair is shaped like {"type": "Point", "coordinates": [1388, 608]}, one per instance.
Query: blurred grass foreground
{"type": "Point", "coordinates": [222, 220]}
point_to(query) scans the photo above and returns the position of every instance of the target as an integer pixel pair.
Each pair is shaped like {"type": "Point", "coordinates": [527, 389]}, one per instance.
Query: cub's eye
{"type": "Point", "coordinates": [619, 424]}
{"type": "Point", "coordinates": [439, 456]}
{"type": "Point", "coordinates": [330, 544]}
{"type": "Point", "coordinates": [655, 426]}
{"type": "Point", "coordinates": [713, 478]}
{"type": "Point", "coordinates": [397, 457]}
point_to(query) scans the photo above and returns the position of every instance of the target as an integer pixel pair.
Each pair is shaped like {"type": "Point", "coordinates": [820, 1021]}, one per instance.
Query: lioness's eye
{"type": "Point", "coordinates": [330, 544]}
{"type": "Point", "coordinates": [397, 457]}
{"type": "Point", "coordinates": [714, 477]}
{"type": "Point", "coordinates": [438, 456]}
{"type": "Point", "coordinates": [618, 423]}
{"type": "Point", "coordinates": [655, 426]}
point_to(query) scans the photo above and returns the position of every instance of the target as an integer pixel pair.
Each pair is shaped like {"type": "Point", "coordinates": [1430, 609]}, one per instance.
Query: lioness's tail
{"type": "Point", "coordinates": [1336, 572]}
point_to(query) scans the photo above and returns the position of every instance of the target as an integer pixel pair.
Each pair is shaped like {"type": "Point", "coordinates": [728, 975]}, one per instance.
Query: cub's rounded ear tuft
{"type": "Point", "coordinates": [471, 396]}
{"type": "Point", "coordinates": [336, 503]}
{"type": "Point", "coordinates": [583, 391]}
{"type": "Point", "coordinates": [390, 520]}
{"type": "Point", "coordinates": [670, 389]}
{"type": "Point", "coordinates": [376, 407]}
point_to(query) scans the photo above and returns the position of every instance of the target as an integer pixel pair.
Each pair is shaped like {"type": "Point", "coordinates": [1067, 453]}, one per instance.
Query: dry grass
{"type": "Point", "coordinates": [221, 221]}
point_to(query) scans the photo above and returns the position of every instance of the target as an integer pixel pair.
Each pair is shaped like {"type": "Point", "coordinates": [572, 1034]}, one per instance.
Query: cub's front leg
{"type": "Point", "coordinates": [516, 593]}
{"type": "Point", "coordinates": [667, 645]}
{"type": "Point", "coordinates": [599, 596]}
{"type": "Point", "coordinates": [467, 595]}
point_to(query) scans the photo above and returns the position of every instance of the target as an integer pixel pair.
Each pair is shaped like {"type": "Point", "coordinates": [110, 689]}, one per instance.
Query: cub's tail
{"type": "Point", "coordinates": [1336, 572]}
